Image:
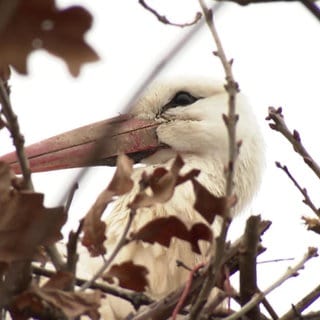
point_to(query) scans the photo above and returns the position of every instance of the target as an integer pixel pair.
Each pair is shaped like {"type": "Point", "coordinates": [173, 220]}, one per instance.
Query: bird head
{"type": "Point", "coordinates": [181, 116]}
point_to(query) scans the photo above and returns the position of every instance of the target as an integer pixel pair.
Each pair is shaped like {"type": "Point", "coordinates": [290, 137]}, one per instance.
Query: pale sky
{"type": "Point", "coordinates": [276, 52]}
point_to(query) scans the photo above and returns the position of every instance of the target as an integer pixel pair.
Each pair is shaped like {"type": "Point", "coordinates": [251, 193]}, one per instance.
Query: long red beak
{"type": "Point", "coordinates": [95, 144]}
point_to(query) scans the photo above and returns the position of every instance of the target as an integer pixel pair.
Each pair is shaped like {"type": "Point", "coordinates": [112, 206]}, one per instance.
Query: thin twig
{"type": "Point", "coordinates": [72, 253]}
{"type": "Point", "coordinates": [120, 244]}
{"type": "Point", "coordinates": [183, 265]}
{"type": "Point", "coordinates": [312, 7]}
{"type": "Point", "coordinates": [165, 20]}
{"type": "Point", "coordinates": [18, 139]}
{"type": "Point", "coordinates": [311, 316]}
{"type": "Point", "coordinates": [137, 299]}
{"type": "Point", "coordinates": [186, 290]}
{"type": "Point", "coordinates": [294, 138]}
{"type": "Point", "coordinates": [275, 260]}
{"type": "Point", "coordinates": [269, 308]}
{"type": "Point", "coordinates": [72, 192]}
{"type": "Point", "coordinates": [303, 191]}
{"type": "Point", "coordinates": [258, 297]}
{"type": "Point", "coordinates": [230, 120]}
{"type": "Point", "coordinates": [304, 303]}
{"type": "Point", "coordinates": [55, 257]}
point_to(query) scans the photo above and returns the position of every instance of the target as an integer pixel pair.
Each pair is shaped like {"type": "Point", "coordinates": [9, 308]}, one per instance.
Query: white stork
{"type": "Point", "coordinates": [186, 117]}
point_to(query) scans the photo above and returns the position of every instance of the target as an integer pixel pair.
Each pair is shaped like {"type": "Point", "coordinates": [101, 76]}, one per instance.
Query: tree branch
{"type": "Point", "coordinates": [230, 121]}
{"type": "Point", "coordinates": [294, 138]}
{"type": "Point", "coordinates": [137, 299]}
{"type": "Point", "coordinates": [17, 137]}
{"type": "Point", "coordinates": [304, 303]}
{"type": "Point", "coordinates": [307, 201]}
{"type": "Point", "coordinates": [258, 297]}
{"type": "Point", "coordinates": [120, 244]}
{"type": "Point", "coordinates": [165, 20]}
{"type": "Point", "coordinates": [248, 265]}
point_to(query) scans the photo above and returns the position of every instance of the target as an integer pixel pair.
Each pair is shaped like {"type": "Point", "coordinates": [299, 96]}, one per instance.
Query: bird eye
{"type": "Point", "coordinates": [183, 98]}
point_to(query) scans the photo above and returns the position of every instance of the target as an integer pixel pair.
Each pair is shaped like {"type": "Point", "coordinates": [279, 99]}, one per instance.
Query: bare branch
{"type": "Point", "coordinates": [137, 299]}
{"type": "Point", "coordinates": [55, 257]}
{"type": "Point", "coordinates": [246, 2]}
{"type": "Point", "coordinates": [72, 191]}
{"type": "Point", "coordinates": [294, 138]}
{"type": "Point", "coordinates": [18, 139]}
{"type": "Point", "coordinates": [121, 243]}
{"type": "Point", "coordinates": [269, 308]}
{"type": "Point", "coordinates": [248, 265]}
{"type": "Point", "coordinates": [165, 20]}
{"type": "Point", "coordinates": [304, 303]}
{"type": "Point", "coordinates": [258, 297]}
{"type": "Point", "coordinates": [186, 290]}
{"type": "Point", "coordinates": [230, 120]}
{"type": "Point", "coordinates": [72, 254]}
{"type": "Point", "coordinates": [303, 191]}
{"type": "Point", "coordinates": [312, 7]}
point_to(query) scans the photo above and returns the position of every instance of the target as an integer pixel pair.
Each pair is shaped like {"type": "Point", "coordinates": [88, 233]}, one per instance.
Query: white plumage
{"type": "Point", "coordinates": [197, 132]}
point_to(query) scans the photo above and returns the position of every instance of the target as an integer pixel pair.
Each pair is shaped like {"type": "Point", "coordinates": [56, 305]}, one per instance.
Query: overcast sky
{"type": "Point", "coordinates": [276, 52]}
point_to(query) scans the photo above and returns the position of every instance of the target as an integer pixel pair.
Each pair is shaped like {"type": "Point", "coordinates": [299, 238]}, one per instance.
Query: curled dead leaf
{"type": "Point", "coordinates": [25, 224]}
{"type": "Point", "coordinates": [62, 280]}
{"type": "Point", "coordinates": [312, 224]}
{"type": "Point", "coordinates": [162, 183]}
{"type": "Point", "coordinates": [48, 303]}
{"type": "Point", "coordinates": [94, 228]}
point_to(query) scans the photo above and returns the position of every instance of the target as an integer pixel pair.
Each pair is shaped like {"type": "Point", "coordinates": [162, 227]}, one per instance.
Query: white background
{"type": "Point", "coordinates": [276, 52]}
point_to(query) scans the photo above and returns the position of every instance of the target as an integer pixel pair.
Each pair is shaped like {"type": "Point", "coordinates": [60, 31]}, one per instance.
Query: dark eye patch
{"type": "Point", "coordinates": [180, 99]}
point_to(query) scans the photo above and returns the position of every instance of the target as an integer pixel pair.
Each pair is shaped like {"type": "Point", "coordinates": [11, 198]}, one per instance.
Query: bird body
{"type": "Point", "coordinates": [197, 132]}
{"type": "Point", "coordinates": [187, 118]}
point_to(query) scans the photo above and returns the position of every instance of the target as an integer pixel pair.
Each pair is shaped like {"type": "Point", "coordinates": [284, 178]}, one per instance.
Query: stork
{"type": "Point", "coordinates": [175, 117]}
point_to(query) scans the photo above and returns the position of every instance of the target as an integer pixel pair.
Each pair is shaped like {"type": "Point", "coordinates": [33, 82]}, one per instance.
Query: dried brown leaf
{"type": "Point", "coordinates": [94, 228]}
{"type": "Point", "coordinates": [162, 230]}
{"type": "Point", "coordinates": [47, 303]}
{"type": "Point", "coordinates": [5, 180]}
{"type": "Point", "coordinates": [312, 224]}
{"type": "Point", "coordinates": [162, 183]}
{"type": "Point", "coordinates": [207, 204]}
{"type": "Point", "coordinates": [61, 280]}
{"type": "Point", "coordinates": [25, 223]}
{"type": "Point", "coordinates": [121, 182]}
{"type": "Point", "coordinates": [5, 73]}
{"type": "Point", "coordinates": [130, 276]}
{"type": "Point", "coordinates": [39, 24]}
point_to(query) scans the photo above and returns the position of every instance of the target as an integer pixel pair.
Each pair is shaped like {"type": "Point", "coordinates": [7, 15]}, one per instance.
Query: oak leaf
{"type": "Point", "coordinates": [209, 205]}
{"type": "Point", "coordinates": [39, 24]}
{"type": "Point", "coordinates": [50, 303]}
{"type": "Point", "coordinates": [25, 223]}
{"type": "Point", "coordinates": [162, 230]}
{"type": "Point", "coordinates": [130, 275]}
{"type": "Point", "coordinates": [162, 183]}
